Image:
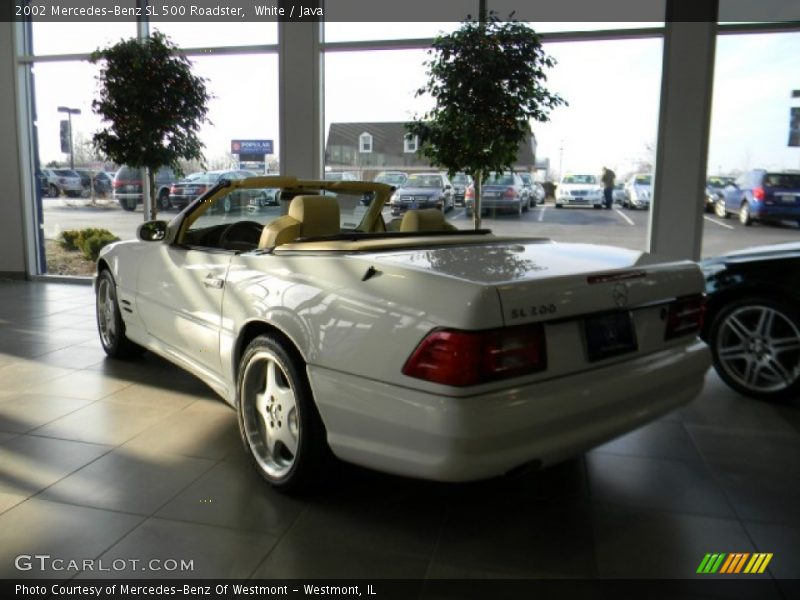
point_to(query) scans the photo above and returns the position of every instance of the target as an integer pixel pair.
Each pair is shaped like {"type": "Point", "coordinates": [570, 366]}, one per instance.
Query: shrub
{"type": "Point", "coordinates": [69, 239]}
{"type": "Point", "coordinates": [92, 244]}
{"type": "Point", "coordinates": [89, 241]}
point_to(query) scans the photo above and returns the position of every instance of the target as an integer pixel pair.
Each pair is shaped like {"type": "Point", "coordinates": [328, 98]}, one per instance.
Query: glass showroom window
{"type": "Point", "coordinates": [76, 188]}
{"type": "Point", "coordinates": [244, 107]}
{"type": "Point", "coordinates": [751, 143]}
{"type": "Point", "coordinates": [220, 34]}
{"type": "Point", "coordinates": [78, 38]}
{"type": "Point", "coordinates": [613, 90]}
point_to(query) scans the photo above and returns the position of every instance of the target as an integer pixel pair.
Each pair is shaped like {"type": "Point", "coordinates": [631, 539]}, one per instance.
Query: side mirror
{"type": "Point", "coordinates": [152, 231]}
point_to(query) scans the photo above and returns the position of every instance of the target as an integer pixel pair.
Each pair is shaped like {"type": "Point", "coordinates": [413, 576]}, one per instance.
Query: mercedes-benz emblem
{"type": "Point", "coordinates": [620, 294]}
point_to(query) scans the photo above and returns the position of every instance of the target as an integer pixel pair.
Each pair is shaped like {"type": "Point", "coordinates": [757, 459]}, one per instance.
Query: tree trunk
{"type": "Point", "coordinates": [148, 187]}
{"type": "Point", "coordinates": [476, 207]}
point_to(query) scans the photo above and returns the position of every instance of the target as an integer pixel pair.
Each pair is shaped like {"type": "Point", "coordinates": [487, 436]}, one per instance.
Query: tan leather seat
{"type": "Point", "coordinates": [309, 216]}
{"type": "Point", "coordinates": [427, 219]}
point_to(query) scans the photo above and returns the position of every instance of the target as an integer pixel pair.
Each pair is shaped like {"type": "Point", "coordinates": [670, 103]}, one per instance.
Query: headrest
{"type": "Point", "coordinates": [317, 215]}
{"type": "Point", "coordinates": [428, 219]}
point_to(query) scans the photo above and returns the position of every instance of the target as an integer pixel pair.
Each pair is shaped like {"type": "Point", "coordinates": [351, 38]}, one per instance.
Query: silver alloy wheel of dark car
{"type": "Point", "coordinates": [719, 209]}
{"type": "Point", "coordinates": [744, 214]}
{"type": "Point", "coordinates": [756, 347]}
{"type": "Point", "coordinates": [278, 421]}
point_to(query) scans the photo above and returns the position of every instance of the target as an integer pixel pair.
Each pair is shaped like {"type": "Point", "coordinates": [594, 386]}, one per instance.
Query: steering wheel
{"type": "Point", "coordinates": [241, 235]}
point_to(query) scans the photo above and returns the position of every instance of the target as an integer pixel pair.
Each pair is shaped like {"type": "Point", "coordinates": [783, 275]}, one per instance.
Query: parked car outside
{"type": "Point", "coordinates": [393, 178]}
{"type": "Point", "coordinates": [752, 320]}
{"type": "Point", "coordinates": [460, 182]}
{"type": "Point", "coordinates": [184, 192]}
{"type": "Point", "coordinates": [620, 194]}
{"type": "Point", "coordinates": [640, 191]}
{"type": "Point", "coordinates": [340, 176]}
{"type": "Point", "coordinates": [423, 190]}
{"type": "Point", "coordinates": [529, 187]}
{"type": "Point", "coordinates": [127, 187]}
{"type": "Point", "coordinates": [579, 190]}
{"type": "Point", "coordinates": [103, 183]}
{"type": "Point", "coordinates": [763, 196]}
{"type": "Point", "coordinates": [501, 192]}
{"type": "Point", "coordinates": [64, 181]}
{"type": "Point", "coordinates": [428, 352]}
{"type": "Point", "coordinates": [715, 186]}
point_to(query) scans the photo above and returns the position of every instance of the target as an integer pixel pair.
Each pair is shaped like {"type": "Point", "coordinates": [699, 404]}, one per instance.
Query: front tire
{"type": "Point", "coordinates": [278, 420]}
{"type": "Point", "coordinates": [719, 209]}
{"type": "Point", "coordinates": [110, 325]}
{"type": "Point", "coordinates": [755, 343]}
{"type": "Point", "coordinates": [53, 191]}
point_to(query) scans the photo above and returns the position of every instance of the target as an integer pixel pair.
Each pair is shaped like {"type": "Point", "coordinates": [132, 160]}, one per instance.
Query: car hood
{"type": "Point", "coordinates": [418, 191]}
{"type": "Point", "coordinates": [579, 187]}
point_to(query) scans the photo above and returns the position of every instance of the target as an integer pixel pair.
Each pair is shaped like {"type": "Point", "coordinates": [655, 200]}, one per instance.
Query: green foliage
{"type": "Point", "coordinates": [69, 239]}
{"type": "Point", "coordinates": [487, 82]}
{"type": "Point", "coordinates": [89, 241]}
{"type": "Point", "coordinates": [151, 103]}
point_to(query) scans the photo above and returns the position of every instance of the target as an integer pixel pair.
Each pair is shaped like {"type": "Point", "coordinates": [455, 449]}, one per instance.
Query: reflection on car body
{"type": "Point", "coordinates": [425, 351]}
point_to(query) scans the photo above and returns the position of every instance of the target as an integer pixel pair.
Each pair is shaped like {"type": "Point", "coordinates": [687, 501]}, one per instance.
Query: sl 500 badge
{"type": "Point", "coordinates": [533, 311]}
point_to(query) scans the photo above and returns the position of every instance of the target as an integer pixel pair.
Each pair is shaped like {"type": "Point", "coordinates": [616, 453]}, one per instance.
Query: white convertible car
{"type": "Point", "coordinates": [409, 347]}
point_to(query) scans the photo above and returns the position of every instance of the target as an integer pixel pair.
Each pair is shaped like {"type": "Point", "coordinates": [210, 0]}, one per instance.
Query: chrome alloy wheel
{"type": "Point", "coordinates": [759, 348]}
{"type": "Point", "coordinates": [106, 313]}
{"type": "Point", "coordinates": [269, 413]}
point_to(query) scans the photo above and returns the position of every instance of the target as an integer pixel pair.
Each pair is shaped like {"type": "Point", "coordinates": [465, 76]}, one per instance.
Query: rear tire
{"type": "Point", "coordinates": [163, 200]}
{"type": "Point", "coordinates": [128, 204]}
{"type": "Point", "coordinates": [279, 423]}
{"type": "Point", "coordinates": [744, 214]}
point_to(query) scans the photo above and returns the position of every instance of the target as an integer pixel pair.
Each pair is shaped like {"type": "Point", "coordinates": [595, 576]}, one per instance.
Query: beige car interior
{"type": "Point", "coordinates": [308, 216]}
{"type": "Point", "coordinates": [318, 216]}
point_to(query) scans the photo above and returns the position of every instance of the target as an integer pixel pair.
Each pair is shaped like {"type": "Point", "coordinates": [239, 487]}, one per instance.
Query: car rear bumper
{"type": "Point", "coordinates": [419, 434]}
{"type": "Point", "coordinates": [774, 212]}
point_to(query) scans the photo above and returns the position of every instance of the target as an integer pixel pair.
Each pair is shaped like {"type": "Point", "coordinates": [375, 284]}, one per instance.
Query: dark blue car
{"type": "Point", "coordinates": [761, 195]}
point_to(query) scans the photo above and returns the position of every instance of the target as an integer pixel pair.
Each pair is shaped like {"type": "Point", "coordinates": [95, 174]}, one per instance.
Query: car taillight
{"type": "Point", "coordinates": [758, 193]}
{"type": "Point", "coordinates": [510, 193]}
{"type": "Point", "coordinates": [172, 189]}
{"type": "Point", "coordinates": [461, 358]}
{"type": "Point", "coordinates": [685, 316]}
{"type": "Point", "coordinates": [469, 192]}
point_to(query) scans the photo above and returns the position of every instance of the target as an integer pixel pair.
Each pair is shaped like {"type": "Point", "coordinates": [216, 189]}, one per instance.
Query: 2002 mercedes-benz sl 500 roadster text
{"type": "Point", "coordinates": [406, 346]}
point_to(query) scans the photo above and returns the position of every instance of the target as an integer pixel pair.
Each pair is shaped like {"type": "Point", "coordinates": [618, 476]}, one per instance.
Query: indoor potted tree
{"type": "Point", "coordinates": [153, 105]}
{"type": "Point", "coordinates": [487, 82]}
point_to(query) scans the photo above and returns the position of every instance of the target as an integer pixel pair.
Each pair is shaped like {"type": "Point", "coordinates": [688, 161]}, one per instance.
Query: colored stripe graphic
{"type": "Point", "coordinates": [734, 563]}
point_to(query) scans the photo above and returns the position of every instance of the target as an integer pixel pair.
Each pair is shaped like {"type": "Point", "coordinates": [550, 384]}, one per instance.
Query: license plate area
{"type": "Point", "coordinates": [609, 334]}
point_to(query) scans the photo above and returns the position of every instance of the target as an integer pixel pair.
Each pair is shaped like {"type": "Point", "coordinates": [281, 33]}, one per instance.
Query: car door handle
{"type": "Point", "coordinates": [213, 282]}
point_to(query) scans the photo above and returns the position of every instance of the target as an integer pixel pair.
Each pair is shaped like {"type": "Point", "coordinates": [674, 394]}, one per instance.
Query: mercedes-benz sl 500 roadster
{"type": "Point", "coordinates": [405, 345]}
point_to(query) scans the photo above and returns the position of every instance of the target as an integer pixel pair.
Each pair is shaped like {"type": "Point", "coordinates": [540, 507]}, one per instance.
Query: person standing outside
{"type": "Point", "coordinates": [608, 186]}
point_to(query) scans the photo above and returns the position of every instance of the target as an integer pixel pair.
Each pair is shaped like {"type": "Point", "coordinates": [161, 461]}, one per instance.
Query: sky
{"type": "Point", "coordinates": [613, 90]}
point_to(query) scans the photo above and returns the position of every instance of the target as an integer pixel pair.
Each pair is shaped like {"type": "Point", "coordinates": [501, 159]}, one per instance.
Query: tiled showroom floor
{"type": "Point", "coordinates": [138, 460]}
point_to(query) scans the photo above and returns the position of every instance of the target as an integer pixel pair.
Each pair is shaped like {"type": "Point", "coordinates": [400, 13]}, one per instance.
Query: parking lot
{"type": "Point", "coordinates": [619, 227]}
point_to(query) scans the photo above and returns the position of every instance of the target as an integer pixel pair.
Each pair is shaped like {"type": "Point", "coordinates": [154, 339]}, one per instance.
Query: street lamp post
{"type": "Point", "coordinates": [70, 112]}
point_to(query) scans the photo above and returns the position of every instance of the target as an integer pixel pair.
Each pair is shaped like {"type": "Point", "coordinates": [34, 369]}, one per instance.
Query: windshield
{"type": "Point", "coordinates": [460, 178]}
{"type": "Point", "coordinates": [642, 180]}
{"type": "Point", "coordinates": [391, 178]}
{"type": "Point", "coordinates": [424, 181]}
{"type": "Point", "coordinates": [583, 179]}
{"type": "Point", "coordinates": [720, 182]}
